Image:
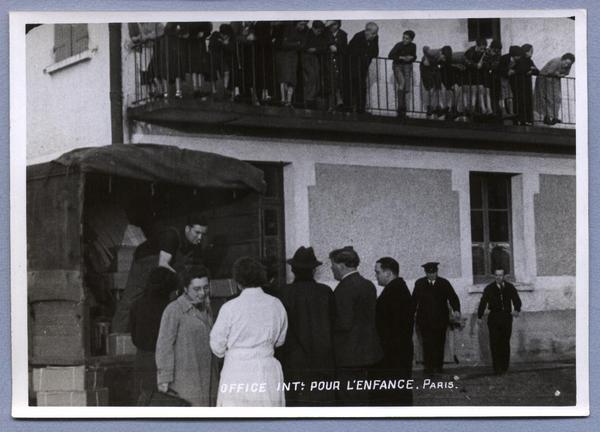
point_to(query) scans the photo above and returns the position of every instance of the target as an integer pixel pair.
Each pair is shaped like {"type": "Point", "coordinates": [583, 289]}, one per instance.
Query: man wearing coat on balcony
{"type": "Point", "coordinates": [431, 297]}
{"type": "Point", "coordinates": [355, 339]}
{"type": "Point", "coordinates": [362, 49]}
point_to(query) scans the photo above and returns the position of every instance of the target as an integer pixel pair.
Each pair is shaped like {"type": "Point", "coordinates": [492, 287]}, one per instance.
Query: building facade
{"type": "Point", "coordinates": [471, 196]}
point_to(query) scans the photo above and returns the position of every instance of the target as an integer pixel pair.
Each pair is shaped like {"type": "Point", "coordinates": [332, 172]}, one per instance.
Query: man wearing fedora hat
{"type": "Point", "coordinates": [431, 297]}
{"type": "Point", "coordinates": [307, 355]}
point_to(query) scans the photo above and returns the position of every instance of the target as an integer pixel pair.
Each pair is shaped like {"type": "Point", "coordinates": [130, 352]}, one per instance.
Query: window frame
{"type": "Point", "coordinates": [476, 34]}
{"type": "Point", "coordinates": [487, 244]}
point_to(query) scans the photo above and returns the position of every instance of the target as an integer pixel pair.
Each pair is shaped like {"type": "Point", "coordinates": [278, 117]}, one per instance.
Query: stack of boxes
{"type": "Point", "coordinates": [69, 386]}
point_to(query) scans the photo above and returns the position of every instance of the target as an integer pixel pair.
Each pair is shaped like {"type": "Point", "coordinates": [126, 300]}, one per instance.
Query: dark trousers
{"type": "Point", "coordinates": [144, 376]}
{"type": "Point", "coordinates": [434, 339]}
{"type": "Point", "coordinates": [348, 377]}
{"type": "Point", "coordinates": [500, 328]}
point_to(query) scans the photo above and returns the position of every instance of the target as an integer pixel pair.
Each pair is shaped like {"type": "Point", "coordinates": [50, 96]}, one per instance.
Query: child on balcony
{"type": "Point", "coordinates": [404, 55]}
{"type": "Point", "coordinates": [198, 54]}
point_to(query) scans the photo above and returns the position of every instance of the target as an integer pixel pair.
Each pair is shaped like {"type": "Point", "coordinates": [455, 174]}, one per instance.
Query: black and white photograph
{"type": "Point", "coordinates": [303, 214]}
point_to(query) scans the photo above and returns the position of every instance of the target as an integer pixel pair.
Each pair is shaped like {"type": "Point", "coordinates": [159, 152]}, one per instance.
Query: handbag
{"type": "Point", "coordinates": [170, 398]}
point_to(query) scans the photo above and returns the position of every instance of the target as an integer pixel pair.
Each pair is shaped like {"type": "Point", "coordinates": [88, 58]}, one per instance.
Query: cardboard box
{"type": "Point", "coordinates": [223, 288]}
{"type": "Point", "coordinates": [120, 344]}
{"type": "Point", "coordinates": [70, 378]}
{"type": "Point", "coordinates": [98, 397]}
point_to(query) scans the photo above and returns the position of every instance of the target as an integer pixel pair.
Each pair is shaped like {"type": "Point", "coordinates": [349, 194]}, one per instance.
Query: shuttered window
{"type": "Point", "coordinates": [69, 40]}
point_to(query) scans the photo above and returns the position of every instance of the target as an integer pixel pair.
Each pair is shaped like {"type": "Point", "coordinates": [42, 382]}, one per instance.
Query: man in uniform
{"type": "Point", "coordinates": [500, 296]}
{"type": "Point", "coordinates": [394, 320]}
{"type": "Point", "coordinates": [355, 339]}
{"type": "Point", "coordinates": [431, 297]}
{"type": "Point", "coordinates": [168, 247]}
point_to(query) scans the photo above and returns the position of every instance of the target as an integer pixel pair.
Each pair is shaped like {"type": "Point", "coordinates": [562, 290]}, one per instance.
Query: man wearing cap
{"type": "Point", "coordinates": [307, 354]}
{"type": "Point", "coordinates": [356, 343]}
{"type": "Point", "coordinates": [500, 296]}
{"type": "Point", "coordinates": [394, 320]}
{"type": "Point", "coordinates": [431, 297]}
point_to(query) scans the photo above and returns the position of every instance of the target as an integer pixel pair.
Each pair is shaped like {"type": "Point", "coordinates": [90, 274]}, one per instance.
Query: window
{"type": "Point", "coordinates": [69, 40]}
{"type": "Point", "coordinates": [488, 28]}
{"type": "Point", "coordinates": [491, 225]}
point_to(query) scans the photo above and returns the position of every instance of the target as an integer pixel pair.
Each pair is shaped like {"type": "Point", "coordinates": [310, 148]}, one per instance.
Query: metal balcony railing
{"type": "Point", "coordinates": [261, 74]}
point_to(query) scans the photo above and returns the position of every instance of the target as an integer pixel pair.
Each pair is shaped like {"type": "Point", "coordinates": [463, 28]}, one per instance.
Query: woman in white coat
{"type": "Point", "coordinates": [246, 333]}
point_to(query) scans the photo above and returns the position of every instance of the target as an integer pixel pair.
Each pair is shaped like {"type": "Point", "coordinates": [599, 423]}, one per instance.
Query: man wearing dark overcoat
{"type": "Point", "coordinates": [356, 343]}
{"type": "Point", "coordinates": [500, 297]}
{"type": "Point", "coordinates": [432, 297]}
{"type": "Point", "coordinates": [362, 49]}
{"type": "Point", "coordinates": [307, 354]}
{"type": "Point", "coordinates": [394, 320]}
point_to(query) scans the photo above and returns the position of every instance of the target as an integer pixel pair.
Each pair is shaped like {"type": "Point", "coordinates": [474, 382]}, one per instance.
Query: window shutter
{"type": "Point", "coordinates": [62, 41]}
{"type": "Point", "coordinates": [79, 37]}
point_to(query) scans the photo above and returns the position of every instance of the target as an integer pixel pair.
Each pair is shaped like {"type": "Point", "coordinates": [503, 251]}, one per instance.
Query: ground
{"type": "Point", "coordinates": [537, 384]}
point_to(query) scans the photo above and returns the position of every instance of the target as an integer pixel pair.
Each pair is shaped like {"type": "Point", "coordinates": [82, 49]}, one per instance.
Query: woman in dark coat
{"type": "Point", "coordinates": [337, 74]}
{"type": "Point", "coordinates": [315, 57]}
{"type": "Point", "coordinates": [525, 70]}
{"type": "Point", "coordinates": [286, 59]}
{"type": "Point", "coordinates": [221, 48]}
{"type": "Point", "coordinates": [145, 315]}
{"type": "Point", "coordinates": [198, 53]}
{"type": "Point", "coordinates": [307, 354]}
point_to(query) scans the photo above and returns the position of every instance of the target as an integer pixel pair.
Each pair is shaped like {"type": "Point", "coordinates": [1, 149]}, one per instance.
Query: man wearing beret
{"type": "Point", "coordinates": [431, 297]}
{"type": "Point", "coordinates": [355, 340]}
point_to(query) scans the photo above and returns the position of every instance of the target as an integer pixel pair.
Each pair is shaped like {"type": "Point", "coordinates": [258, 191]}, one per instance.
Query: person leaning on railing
{"type": "Point", "coordinates": [475, 59]}
{"type": "Point", "coordinates": [452, 69]}
{"type": "Point", "coordinates": [431, 80]}
{"type": "Point", "coordinates": [403, 56]}
{"type": "Point", "coordinates": [362, 49]}
{"type": "Point", "coordinates": [548, 91]}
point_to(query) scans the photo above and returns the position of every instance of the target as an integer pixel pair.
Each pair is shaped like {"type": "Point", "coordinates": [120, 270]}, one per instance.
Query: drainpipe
{"type": "Point", "coordinates": [116, 83]}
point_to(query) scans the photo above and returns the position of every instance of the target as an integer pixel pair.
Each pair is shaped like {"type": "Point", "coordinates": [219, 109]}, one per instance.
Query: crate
{"type": "Point", "coordinates": [67, 378]}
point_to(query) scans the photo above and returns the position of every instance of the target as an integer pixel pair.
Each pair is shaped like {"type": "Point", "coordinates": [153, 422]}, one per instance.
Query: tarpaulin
{"type": "Point", "coordinates": [166, 164]}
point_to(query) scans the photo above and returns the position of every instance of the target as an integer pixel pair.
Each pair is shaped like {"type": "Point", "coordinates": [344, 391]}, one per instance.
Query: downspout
{"type": "Point", "coordinates": [116, 83]}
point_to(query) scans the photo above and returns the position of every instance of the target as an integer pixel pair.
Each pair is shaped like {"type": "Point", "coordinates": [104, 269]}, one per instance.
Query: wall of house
{"type": "Point", "coordinates": [414, 205]}
{"type": "Point", "coordinates": [70, 107]}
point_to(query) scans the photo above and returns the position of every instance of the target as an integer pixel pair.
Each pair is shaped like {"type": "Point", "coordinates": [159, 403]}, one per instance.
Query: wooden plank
{"type": "Point", "coordinates": [55, 285]}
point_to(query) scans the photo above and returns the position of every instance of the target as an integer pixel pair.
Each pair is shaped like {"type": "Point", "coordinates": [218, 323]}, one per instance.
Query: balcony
{"type": "Point", "coordinates": [336, 97]}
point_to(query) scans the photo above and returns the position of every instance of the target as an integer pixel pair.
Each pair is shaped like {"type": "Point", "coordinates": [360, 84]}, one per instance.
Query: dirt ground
{"type": "Point", "coordinates": [523, 385]}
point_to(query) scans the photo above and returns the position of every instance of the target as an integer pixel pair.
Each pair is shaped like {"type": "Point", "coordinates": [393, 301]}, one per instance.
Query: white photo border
{"type": "Point", "coordinates": [20, 400]}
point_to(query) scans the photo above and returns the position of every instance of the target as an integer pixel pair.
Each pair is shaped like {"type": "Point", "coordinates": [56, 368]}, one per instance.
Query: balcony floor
{"type": "Point", "coordinates": [213, 116]}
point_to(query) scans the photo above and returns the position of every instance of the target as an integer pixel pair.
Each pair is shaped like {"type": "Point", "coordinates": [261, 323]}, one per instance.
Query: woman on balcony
{"type": "Point", "coordinates": [315, 63]}
{"type": "Point", "coordinates": [221, 48]}
{"type": "Point", "coordinates": [246, 333]}
{"type": "Point", "coordinates": [286, 58]}
{"type": "Point", "coordinates": [198, 54]}
{"type": "Point", "coordinates": [524, 85]}
{"type": "Point", "coordinates": [548, 88]}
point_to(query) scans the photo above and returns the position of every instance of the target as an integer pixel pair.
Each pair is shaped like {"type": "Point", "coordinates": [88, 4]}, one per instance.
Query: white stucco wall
{"type": "Point", "coordinates": [541, 293]}
{"type": "Point", "coordinates": [70, 107]}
